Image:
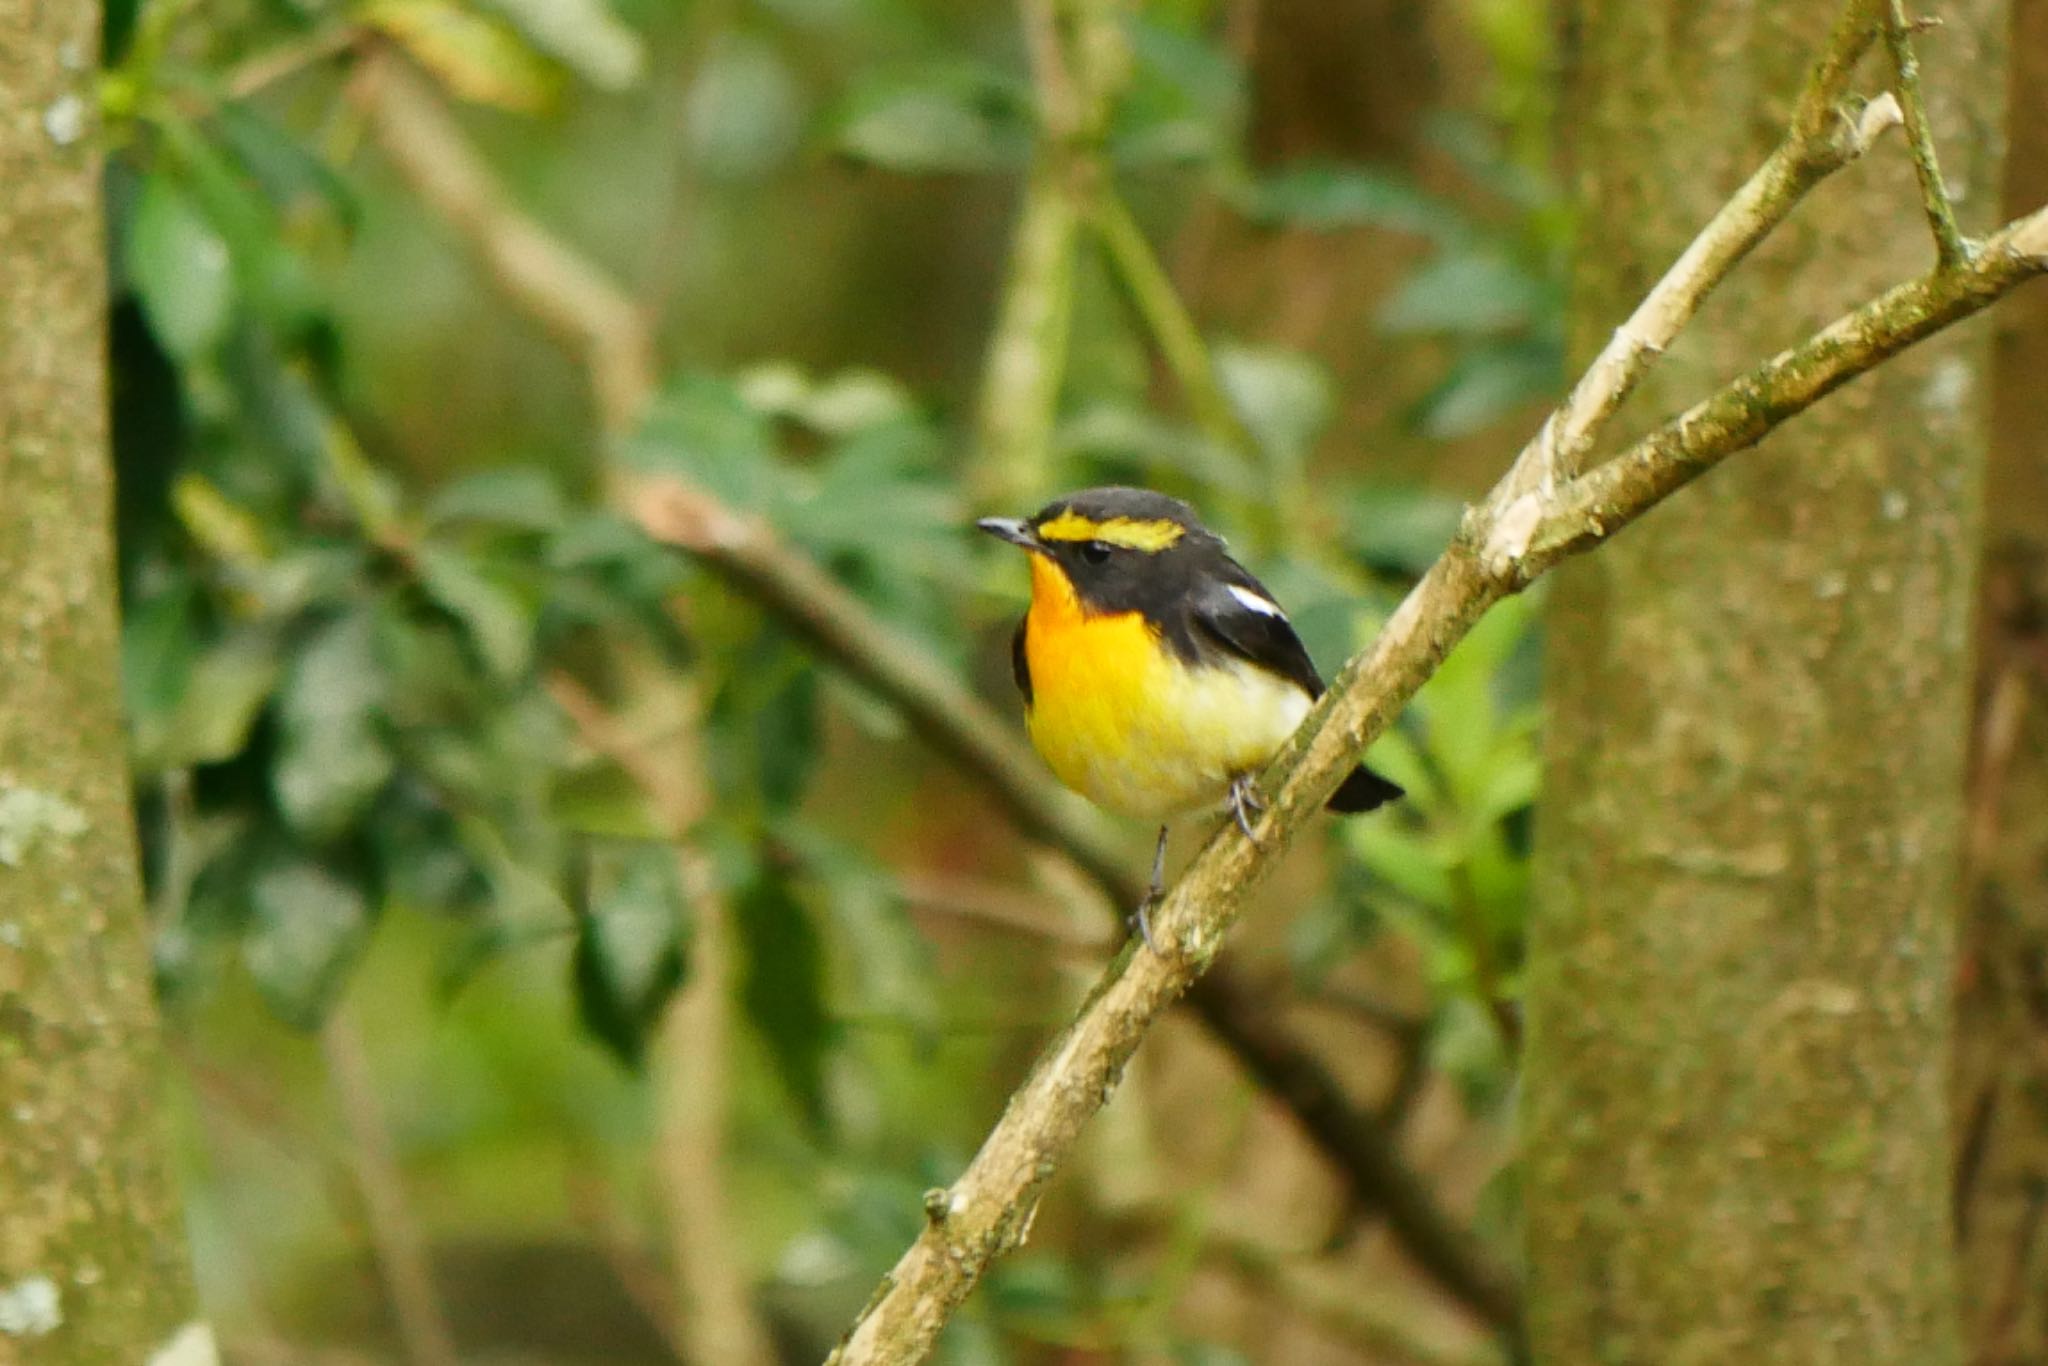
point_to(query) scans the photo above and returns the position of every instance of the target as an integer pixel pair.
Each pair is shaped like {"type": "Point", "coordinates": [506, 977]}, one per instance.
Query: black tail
{"type": "Point", "coordinates": [1363, 791]}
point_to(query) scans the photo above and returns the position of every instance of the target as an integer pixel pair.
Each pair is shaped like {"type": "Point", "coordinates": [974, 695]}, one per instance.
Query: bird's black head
{"type": "Point", "coordinates": [1121, 549]}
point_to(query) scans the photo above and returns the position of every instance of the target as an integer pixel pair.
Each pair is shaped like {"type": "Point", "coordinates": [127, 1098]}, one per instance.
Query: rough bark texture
{"type": "Point", "coordinates": [1735, 1139]}
{"type": "Point", "coordinates": [2001, 1081]}
{"type": "Point", "coordinates": [92, 1262]}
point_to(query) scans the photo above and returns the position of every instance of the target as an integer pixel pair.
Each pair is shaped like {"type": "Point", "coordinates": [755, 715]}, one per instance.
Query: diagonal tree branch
{"type": "Point", "coordinates": [1949, 247]}
{"type": "Point", "coordinates": [988, 1210]}
{"type": "Point", "coordinates": [595, 319]}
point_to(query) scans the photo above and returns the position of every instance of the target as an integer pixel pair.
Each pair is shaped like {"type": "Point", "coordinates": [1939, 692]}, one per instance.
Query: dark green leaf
{"type": "Point", "coordinates": [520, 499]}
{"type": "Point", "coordinates": [1401, 527]}
{"type": "Point", "coordinates": [1185, 101]}
{"type": "Point", "coordinates": [1325, 196]}
{"type": "Point", "coordinates": [498, 614]}
{"type": "Point", "coordinates": [629, 948]}
{"type": "Point", "coordinates": [1284, 397]}
{"type": "Point", "coordinates": [281, 165]}
{"type": "Point", "coordinates": [181, 268]}
{"type": "Point", "coordinates": [332, 759]}
{"type": "Point", "coordinates": [941, 118]}
{"type": "Point", "coordinates": [702, 429]}
{"type": "Point", "coordinates": [1474, 292]}
{"type": "Point", "coordinates": [783, 987]}
{"type": "Point", "coordinates": [223, 694]}
{"type": "Point", "coordinates": [306, 928]}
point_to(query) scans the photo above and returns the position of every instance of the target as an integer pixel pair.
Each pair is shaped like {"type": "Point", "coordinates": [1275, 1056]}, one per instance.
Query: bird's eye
{"type": "Point", "coordinates": [1095, 552]}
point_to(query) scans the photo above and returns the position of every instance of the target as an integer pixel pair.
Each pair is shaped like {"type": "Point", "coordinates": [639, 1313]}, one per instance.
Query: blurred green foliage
{"type": "Point", "coordinates": [340, 639]}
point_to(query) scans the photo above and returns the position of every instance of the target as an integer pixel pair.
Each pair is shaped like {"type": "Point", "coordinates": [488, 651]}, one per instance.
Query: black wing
{"type": "Point", "coordinates": [1265, 638]}
{"type": "Point", "coordinates": [1020, 667]}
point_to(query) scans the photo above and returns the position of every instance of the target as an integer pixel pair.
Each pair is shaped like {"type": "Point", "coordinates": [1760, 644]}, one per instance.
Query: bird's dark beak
{"type": "Point", "coordinates": [1012, 530]}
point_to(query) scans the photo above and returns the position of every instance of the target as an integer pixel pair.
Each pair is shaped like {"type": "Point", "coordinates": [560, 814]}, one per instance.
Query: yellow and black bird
{"type": "Point", "coordinates": [1158, 675]}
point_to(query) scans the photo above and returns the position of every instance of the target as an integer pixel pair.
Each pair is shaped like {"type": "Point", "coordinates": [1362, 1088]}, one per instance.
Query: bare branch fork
{"type": "Point", "coordinates": [1540, 513]}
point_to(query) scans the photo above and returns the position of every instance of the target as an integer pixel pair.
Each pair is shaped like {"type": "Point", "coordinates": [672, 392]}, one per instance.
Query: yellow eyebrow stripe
{"type": "Point", "coordinates": [1129, 532]}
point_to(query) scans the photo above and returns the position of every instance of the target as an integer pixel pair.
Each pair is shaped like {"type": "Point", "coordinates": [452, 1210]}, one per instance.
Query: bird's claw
{"type": "Point", "coordinates": [1140, 921]}
{"type": "Point", "coordinates": [1244, 802]}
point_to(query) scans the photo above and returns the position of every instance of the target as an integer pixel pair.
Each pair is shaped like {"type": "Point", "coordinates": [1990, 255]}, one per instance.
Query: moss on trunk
{"type": "Point", "coordinates": [92, 1259]}
{"type": "Point", "coordinates": [1739, 995]}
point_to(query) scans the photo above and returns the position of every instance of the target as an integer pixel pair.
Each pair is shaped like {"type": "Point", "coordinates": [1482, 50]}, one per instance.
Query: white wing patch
{"type": "Point", "coordinates": [1256, 603]}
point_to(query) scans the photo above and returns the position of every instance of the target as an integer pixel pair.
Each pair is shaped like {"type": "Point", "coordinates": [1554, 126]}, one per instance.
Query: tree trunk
{"type": "Point", "coordinates": [92, 1259]}
{"type": "Point", "coordinates": [2001, 1083]}
{"type": "Point", "coordinates": [1736, 1140]}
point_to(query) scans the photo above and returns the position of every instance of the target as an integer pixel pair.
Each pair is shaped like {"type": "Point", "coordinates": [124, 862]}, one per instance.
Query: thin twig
{"type": "Point", "coordinates": [266, 69]}
{"type": "Point", "coordinates": [1027, 352]}
{"type": "Point", "coordinates": [1077, 70]}
{"type": "Point", "coordinates": [716, 1322]}
{"type": "Point", "coordinates": [1000, 907]}
{"type": "Point", "coordinates": [546, 278]}
{"type": "Point", "coordinates": [400, 1247]}
{"type": "Point", "coordinates": [1386, 1325]}
{"type": "Point", "coordinates": [1949, 247]}
{"type": "Point", "coordinates": [555, 284]}
{"type": "Point", "coordinates": [1173, 329]}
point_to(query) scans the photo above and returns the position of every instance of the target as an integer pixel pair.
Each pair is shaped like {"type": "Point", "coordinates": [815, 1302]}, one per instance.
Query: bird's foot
{"type": "Point", "coordinates": [1244, 802]}
{"type": "Point", "coordinates": [1139, 921]}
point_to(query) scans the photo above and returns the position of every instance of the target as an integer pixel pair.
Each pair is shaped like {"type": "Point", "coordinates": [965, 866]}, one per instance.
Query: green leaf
{"type": "Point", "coordinates": [332, 759]}
{"type": "Point", "coordinates": [703, 429]}
{"type": "Point", "coordinates": [955, 117]}
{"type": "Point", "coordinates": [583, 35]}
{"type": "Point", "coordinates": [283, 167]}
{"type": "Point", "coordinates": [1475, 292]}
{"type": "Point", "coordinates": [1402, 859]}
{"type": "Point", "coordinates": [160, 642]}
{"type": "Point", "coordinates": [744, 115]}
{"type": "Point", "coordinates": [838, 405]}
{"type": "Point", "coordinates": [498, 615]}
{"type": "Point", "coordinates": [1324, 196]}
{"type": "Point", "coordinates": [520, 499]}
{"type": "Point", "coordinates": [603, 799]}
{"type": "Point", "coordinates": [782, 988]}
{"type": "Point", "coordinates": [1284, 397]}
{"type": "Point", "coordinates": [181, 269]}
{"type": "Point", "coordinates": [305, 930]}
{"type": "Point", "coordinates": [786, 739]}
{"type": "Point", "coordinates": [269, 275]}
{"type": "Point", "coordinates": [629, 956]}
{"type": "Point", "coordinates": [478, 58]}
{"type": "Point", "coordinates": [1185, 102]}
{"type": "Point", "coordinates": [1400, 527]}
{"type": "Point", "coordinates": [1488, 383]}
{"type": "Point", "coordinates": [764, 731]}
{"type": "Point", "coordinates": [224, 692]}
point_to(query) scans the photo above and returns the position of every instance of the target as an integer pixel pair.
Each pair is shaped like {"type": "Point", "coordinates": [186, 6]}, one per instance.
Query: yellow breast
{"type": "Point", "coordinates": [1124, 722]}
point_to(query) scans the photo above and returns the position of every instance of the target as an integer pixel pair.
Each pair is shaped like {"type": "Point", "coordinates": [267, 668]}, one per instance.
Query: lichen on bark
{"type": "Point", "coordinates": [90, 1226]}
